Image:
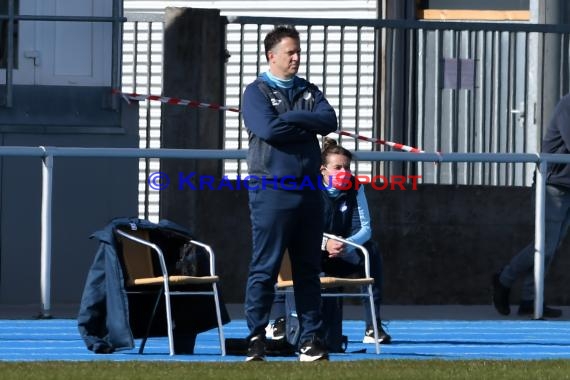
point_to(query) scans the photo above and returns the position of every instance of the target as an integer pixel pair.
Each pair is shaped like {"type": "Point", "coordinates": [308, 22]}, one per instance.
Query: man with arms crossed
{"type": "Point", "coordinates": [283, 114]}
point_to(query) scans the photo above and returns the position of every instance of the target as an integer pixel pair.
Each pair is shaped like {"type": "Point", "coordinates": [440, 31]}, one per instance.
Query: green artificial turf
{"type": "Point", "coordinates": [373, 369]}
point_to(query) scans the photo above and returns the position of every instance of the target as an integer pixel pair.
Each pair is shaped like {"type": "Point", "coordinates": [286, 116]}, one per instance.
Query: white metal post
{"type": "Point", "coordinates": [539, 239]}
{"type": "Point", "coordinates": [47, 172]}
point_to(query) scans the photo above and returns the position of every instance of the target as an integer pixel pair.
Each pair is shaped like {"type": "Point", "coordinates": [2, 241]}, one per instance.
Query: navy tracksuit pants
{"type": "Point", "coordinates": [285, 219]}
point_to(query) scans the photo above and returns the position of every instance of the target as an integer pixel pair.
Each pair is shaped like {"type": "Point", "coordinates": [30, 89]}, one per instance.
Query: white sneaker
{"type": "Point", "coordinates": [383, 336]}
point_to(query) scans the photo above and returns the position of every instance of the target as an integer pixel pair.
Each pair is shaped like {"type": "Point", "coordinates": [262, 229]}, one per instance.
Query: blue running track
{"type": "Point", "coordinates": [58, 339]}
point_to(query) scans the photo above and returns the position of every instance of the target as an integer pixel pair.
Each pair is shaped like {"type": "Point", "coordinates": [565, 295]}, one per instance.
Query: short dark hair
{"type": "Point", "coordinates": [277, 34]}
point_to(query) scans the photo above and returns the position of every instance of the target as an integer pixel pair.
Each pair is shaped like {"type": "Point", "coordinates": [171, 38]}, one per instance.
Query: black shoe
{"type": "Point", "coordinates": [527, 308]}
{"type": "Point", "coordinates": [256, 349]}
{"type": "Point", "coordinates": [501, 296]}
{"type": "Point", "coordinates": [383, 336]}
{"type": "Point", "coordinates": [313, 350]}
{"type": "Point", "coordinates": [278, 329]}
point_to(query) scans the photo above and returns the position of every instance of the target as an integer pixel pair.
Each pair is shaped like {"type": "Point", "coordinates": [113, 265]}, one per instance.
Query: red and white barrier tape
{"type": "Point", "coordinates": [176, 101]}
{"type": "Point", "coordinates": [396, 145]}
{"type": "Point", "coordinates": [192, 103]}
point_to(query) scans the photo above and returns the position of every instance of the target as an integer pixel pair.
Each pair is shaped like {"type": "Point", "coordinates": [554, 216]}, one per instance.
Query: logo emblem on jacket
{"type": "Point", "coordinates": [275, 101]}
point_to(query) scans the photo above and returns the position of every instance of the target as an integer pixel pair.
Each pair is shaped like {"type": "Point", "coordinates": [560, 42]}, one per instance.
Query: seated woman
{"type": "Point", "coordinates": [346, 215]}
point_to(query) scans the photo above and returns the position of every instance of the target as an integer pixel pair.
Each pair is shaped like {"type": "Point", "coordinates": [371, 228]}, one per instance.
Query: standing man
{"type": "Point", "coordinates": [283, 114]}
{"type": "Point", "coordinates": [557, 218]}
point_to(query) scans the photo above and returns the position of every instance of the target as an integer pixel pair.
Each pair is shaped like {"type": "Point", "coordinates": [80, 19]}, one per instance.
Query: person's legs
{"type": "Point", "coordinates": [270, 220]}
{"type": "Point", "coordinates": [557, 218]}
{"type": "Point", "coordinates": [278, 308]}
{"type": "Point", "coordinates": [305, 254]}
{"type": "Point", "coordinates": [557, 205]}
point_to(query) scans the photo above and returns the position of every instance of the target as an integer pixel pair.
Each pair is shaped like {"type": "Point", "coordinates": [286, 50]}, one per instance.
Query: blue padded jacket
{"type": "Point", "coordinates": [283, 125]}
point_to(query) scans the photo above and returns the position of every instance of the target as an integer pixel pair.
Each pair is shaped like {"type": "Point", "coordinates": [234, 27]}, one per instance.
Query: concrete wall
{"type": "Point", "coordinates": [194, 59]}
{"type": "Point", "coordinates": [440, 244]}
{"type": "Point", "coordinates": [87, 192]}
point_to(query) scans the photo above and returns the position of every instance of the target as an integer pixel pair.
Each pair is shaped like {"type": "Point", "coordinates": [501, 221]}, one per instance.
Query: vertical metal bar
{"type": "Point", "coordinates": [474, 37]}
{"type": "Point", "coordinates": [308, 53]}
{"type": "Point", "coordinates": [519, 122]}
{"type": "Point", "coordinates": [563, 78]}
{"type": "Point", "coordinates": [511, 117]}
{"type": "Point", "coordinates": [325, 58]}
{"type": "Point", "coordinates": [410, 67]}
{"type": "Point", "coordinates": [467, 110]}
{"type": "Point", "coordinates": [494, 137]}
{"type": "Point", "coordinates": [527, 177]}
{"type": "Point", "coordinates": [357, 95]}
{"type": "Point", "coordinates": [438, 100]}
{"type": "Point", "coordinates": [541, 89]}
{"type": "Point", "coordinates": [539, 239]}
{"type": "Point", "coordinates": [388, 92]}
{"type": "Point", "coordinates": [167, 301]}
{"type": "Point", "coordinates": [484, 105]}
{"type": "Point", "coordinates": [135, 54]}
{"type": "Point", "coordinates": [533, 95]}
{"type": "Point", "coordinates": [485, 100]}
{"type": "Point", "coordinates": [474, 43]}
{"type": "Point", "coordinates": [45, 276]}
{"type": "Point", "coordinates": [240, 89]}
{"type": "Point", "coordinates": [499, 142]}
{"type": "Point", "coordinates": [135, 89]}
{"type": "Point", "coordinates": [421, 94]}
{"type": "Point", "coordinates": [454, 130]}
{"type": "Point", "coordinates": [377, 93]}
{"type": "Point", "coordinates": [341, 77]}
{"type": "Point", "coordinates": [377, 97]}
{"type": "Point", "coordinates": [389, 128]}
{"type": "Point", "coordinates": [10, 55]}
{"type": "Point", "coordinates": [116, 46]}
{"type": "Point", "coordinates": [219, 319]}
{"type": "Point", "coordinates": [258, 62]}
{"type": "Point", "coordinates": [148, 114]}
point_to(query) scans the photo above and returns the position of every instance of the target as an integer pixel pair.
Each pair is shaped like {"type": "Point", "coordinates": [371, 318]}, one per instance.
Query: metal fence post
{"type": "Point", "coordinates": [47, 176]}
{"type": "Point", "coordinates": [10, 55]}
{"type": "Point", "coordinates": [539, 239]}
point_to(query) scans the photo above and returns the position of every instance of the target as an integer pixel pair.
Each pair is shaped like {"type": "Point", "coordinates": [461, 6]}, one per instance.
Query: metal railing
{"type": "Point", "coordinates": [48, 155]}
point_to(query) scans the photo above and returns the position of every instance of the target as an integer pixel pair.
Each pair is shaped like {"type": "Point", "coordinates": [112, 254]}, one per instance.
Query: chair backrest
{"type": "Point", "coordinates": [137, 258]}
{"type": "Point", "coordinates": [285, 273]}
